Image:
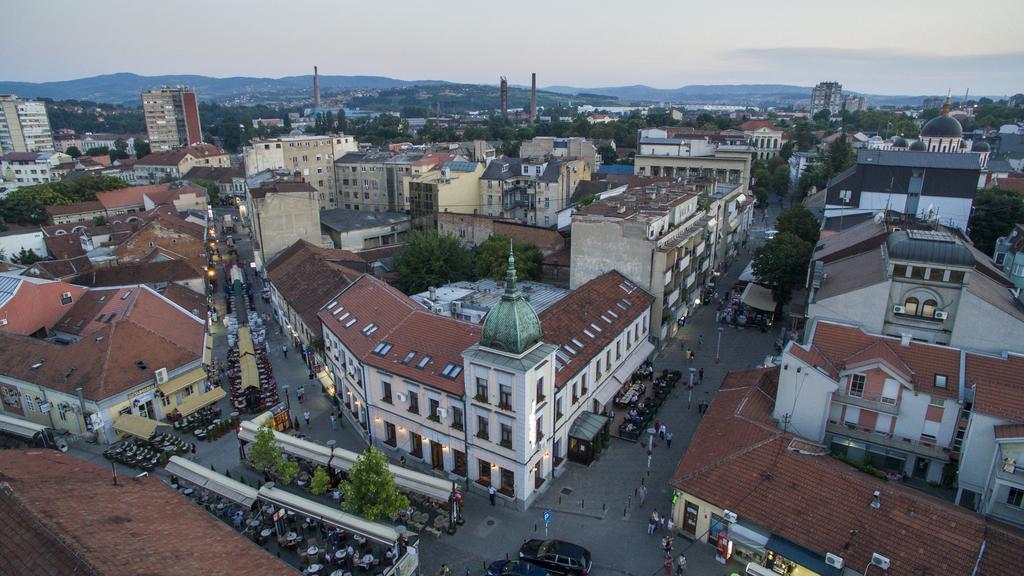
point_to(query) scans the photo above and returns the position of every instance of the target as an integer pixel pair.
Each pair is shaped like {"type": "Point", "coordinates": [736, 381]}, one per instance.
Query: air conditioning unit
{"type": "Point", "coordinates": [897, 309]}
{"type": "Point", "coordinates": [880, 561]}
{"type": "Point", "coordinates": [833, 560]}
{"type": "Point", "coordinates": [401, 397]}
{"type": "Point", "coordinates": [940, 315]}
{"type": "Point", "coordinates": [730, 516]}
{"type": "Point", "coordinates": [161, 375]}
{"type": "Point", "coordinates": [3, 321]}
{"type": "Point", "coordinates": [442, 413]}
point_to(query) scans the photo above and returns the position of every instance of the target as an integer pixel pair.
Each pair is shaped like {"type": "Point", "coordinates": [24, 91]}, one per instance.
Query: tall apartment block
{"type": "Point", "coordinates": [24, 126]}
{"type": "Point", "coordinates": [827, 96]}
{"type": "Point", "coordinates": [172, 118]}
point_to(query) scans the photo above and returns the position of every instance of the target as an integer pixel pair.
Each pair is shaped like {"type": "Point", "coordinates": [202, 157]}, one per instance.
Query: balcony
{"type": "Point", "coordinates": [668, 277]}
{"type": "Point", "coordinates": [875, 404]}
{"type": "Point", "coordinates": [691, 279]}
{"type": "Point", "coordinates": [700, 248]}
{"type": "Point", "coordinates": [682, 263]}
{"type": "Point", "coordinates": [932, 451]}
{"type": "Point", "coordinates": [1008, 513]}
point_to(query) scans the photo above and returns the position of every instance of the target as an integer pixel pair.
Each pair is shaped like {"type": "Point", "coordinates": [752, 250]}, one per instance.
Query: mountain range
{"type": "Point", "coordinates": [124, 88]}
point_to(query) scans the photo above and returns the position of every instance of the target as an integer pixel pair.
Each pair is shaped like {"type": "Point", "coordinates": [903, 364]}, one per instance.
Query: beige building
{"type": "Point", "coordinates": [765, 137]}
{"type": "Point", "coordinates": [172, 118]}
{"type": "Point", "coordinates": [174, 164]}
{"type": "Point", "coordinates": [282, 212]}
{"type": "Point", "coordinates": [530, 191]}
{"type": "Point", "coordinates": [455, 187]}
{"type": "Point", "coordinates": [24, 126]}
{"type": "Point", "coordinates": [550, 147]}
{"type": "Point", "coordinates": [310, 156]}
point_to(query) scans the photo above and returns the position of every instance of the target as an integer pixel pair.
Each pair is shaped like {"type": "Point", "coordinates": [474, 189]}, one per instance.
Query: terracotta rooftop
{"type": "Point", "coordinates": [64, 246]}
{"type": "Point", "coordinates": [610, 302]}
{"type": "Point", "coordinates": [118, 328]}
{"type": "Point", "coordinates": [999, 385]}
{"type": "Point", "coordinates": [739, 461]}
{"type": "Point", "coordinates": [758, 124]}
{"type": "Point", "coordinates": [76, 208]}
{"type": "Point", "coordinates": [65, 516]}
{"type": "Point", "coordinates": [133, 196]}
{"type": "Point", "coordinates": [308, 276]}
{"type": "Point", "coordinates": [174, 157]}
{"type": "Point", "coordinates": [156, 272]}
{"type": "Point", "coordinates": [60, 269]}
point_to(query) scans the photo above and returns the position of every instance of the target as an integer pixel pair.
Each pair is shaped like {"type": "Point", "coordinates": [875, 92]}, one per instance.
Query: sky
{"type": "Point", "coordinates": [871, 46]}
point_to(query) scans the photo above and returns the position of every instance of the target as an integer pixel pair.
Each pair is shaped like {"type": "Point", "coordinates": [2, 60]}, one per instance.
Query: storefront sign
{"type": "Point", "coordinates": [11, 398]}
{"type": "Point", "coordinates": [723, 548]}
{"type": "Point", "coordinates": [150, 388]}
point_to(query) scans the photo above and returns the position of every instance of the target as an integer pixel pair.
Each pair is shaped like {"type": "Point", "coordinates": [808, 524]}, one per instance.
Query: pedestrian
{"type": "Point", "coordinates": [668, 564]}
{"type": "Point", "coordinates": [444, 571]}
{"type": "Point", "coordinates": [691, 356]}
{"type": "Point", "coordinates": [657, 426]}
{"type": "Point", "coordinates": [334, 421]}
{"type": "Point", "coordinates": [401, 461]}
{"type": "Point", "coordinates": [668, 439]}
{"type": "Point", "coordinates": [700, 341]}
{"type": "Point", "coordinates": [492, 494]}
{"type": "Point", "coordinates": [700, 375]}
{"type": "Point", "coordinates": [681, 565]}
{"type": "Point", "coordinates": [671, 527]}
{"type": "Point", "coordinates": [284, 350]}
{"type": "Point", "coordinates": [651, 523]}
{"type": "Point", "coordinates": [305, 416]}
{"type": "Point", "coordinates": [663, 430]}
{"type": "Point", "coordinates": [657, 519]}
{"type": "Point", "coordinates": [643, 494]}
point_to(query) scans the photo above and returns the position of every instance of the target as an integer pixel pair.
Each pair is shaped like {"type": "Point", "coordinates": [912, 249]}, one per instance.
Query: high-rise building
{"type": "Point", "coordinates": [24, 126]}
{"type": "Point", "coordinates": [827, 96]}
{"type": "Point", "coordinates": [172, 118]}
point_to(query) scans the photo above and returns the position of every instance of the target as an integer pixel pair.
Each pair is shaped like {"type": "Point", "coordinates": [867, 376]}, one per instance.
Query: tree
{"type": "Point", "coordinates": [761, 195]}
{"type": "Point", "coordinates": [73, 151]}
{"type": "Point", "coordinates": [212, 189]}
{"type": "Point", "coordinates": [370, 490]}
{"type": "Point", "coordinates": [822, 115]}
{"type": "Point", "coordinates": [27, 257]}
{"type": "Point", "coordinates": [98, 151]}
{"type": "Point", "coordinates": [787, 150]}
{"type": "Point", "coordinates": [266, 455]}
{"type": "Point", "coordinates": [608, 155]}
{"type": "Point", "coordinates": [321, 481]}
{"type": "Point", "coordinates": [995, 213]}
{"type": "Point", "coordinates": [430, 259]}
{"type": "Point", "coordinates": [799, 221]}
{"type": "Point", "coordinates": [142, 148]}
{"type": "Point", "coordinates": [840, 155]}
{"type": "Point", "coordinates": [120, 150]}
{"type": "Point", "coordinates": [492, 259]}
{"type": "Point", "coordinates": [782, 264]}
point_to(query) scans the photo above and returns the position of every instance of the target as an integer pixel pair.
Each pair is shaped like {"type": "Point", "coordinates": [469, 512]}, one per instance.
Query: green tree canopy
{"type": "Point", "coordinates": [492, 259]}
{"type": "Point", "coordinates": [431, 259]}
{"type": "Point", "coordinates": [321, 481]}
{"type": "Point", "coordinates": [120, 150]}
{"type": "Point", "coordinates": [265, 454]}
{"type": "Point", "coordinates": [800, 222]}
{"type": "Point", "coordinates": [782, 264]}
{"type": "Point", "coordinates": [142, 148]}
{"type": "Point", "coordinates": [212, 189]}
{"type": "Point", "coordinates": [995, 213]}
{"type": "Point", "coordinates": [73, 151]}
{"type": "Point", "coordinates": [28, 205]}
{"type": "Point", "coordinates": [370, 490]}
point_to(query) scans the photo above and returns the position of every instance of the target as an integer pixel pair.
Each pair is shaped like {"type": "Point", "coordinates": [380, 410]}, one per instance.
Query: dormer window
{"type": "Point", "coordinates": [940, 380]}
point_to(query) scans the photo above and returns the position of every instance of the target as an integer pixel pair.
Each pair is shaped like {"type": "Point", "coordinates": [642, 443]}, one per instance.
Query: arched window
{"type": "Point", "coordinates": [928, 308]}
{"type": "Point", "coordinates": [911, 306]}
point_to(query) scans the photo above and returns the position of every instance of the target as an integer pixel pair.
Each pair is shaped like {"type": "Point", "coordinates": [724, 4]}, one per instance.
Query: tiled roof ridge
{"type": "Point", "coordinates": [877, 342]}
{"type": "Point", "coordinates": [821, 353]}
{"type": "Point", "coordinates": [735, 455]}
{"type": "Point", "coordinates": [102, 388]}
{"type": "Point", "coordinates": [29, 514]}
{"type": "Point", "coordinates": [743, 404]}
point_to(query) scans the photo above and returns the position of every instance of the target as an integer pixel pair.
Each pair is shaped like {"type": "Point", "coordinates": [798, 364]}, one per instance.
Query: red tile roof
{"type": "Point", "coordinates": [756, 124]}
{"type": "Point", "coordinates": [174, 157]}
{"type": "Point", "coordinates": [65, 516]}
{"type": "Point", "coordinates": [847, 347]}
{"type": "Point", "coordinates": [76, 208]}
{"type": "Point", "coordinates": [133, 196]}
{"type": "Point", "coordinates": [739, 461]}
{"type": "Point", "coordinates": [999, 385]}
{"type": "Point", "coordinates": [64, 246]}
{"type": "Point", "coordinates": [591, 304]}
{"type": "Point", "coordinates": [308, 276]}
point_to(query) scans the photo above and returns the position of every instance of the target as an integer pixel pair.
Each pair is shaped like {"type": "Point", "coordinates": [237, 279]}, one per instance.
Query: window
{"type": "Point", "coordinates": [386, 392]}
{"type": "Point", "coordinates": [483, 472]}
{"type": "Point", "coordinates": [540, 429]}
{"type": "Point", "coordinates": [937, 402]}
{"type": "Point", "coordinates": [414, 402]}
{"type": "Point", "coordinates": [505, 400]}
{"type": "Point", "coordinates": [1015, 497]}
{"type": "Point", "coordinates": [433, 406]}
{"type": "Point", "coordinates": [65, 298]}
{"type": "Point", "coordinates": [930, 431]}
{"type": "Point", "coordinates": [481, 389]}
{"type": "Point", "coordinates": [583, 384]}
{"type": "Point", "coordinates": [390, 438]}
{"type": "Point", "coordinates": [940, 380]}
{"type": "Point", "coordinates": [540, 389]}
{"type": "Point", "coordinates": [482, 428]}
{"type": "Point", "coordinates": [457, 418]}
{"type": "Point", "coordinates": [558, 409]}
{"type": "Point", "coordinates": [506, 436]}
{"type": "Point", "coordinates": [928, 309]}
{"type": "Point", "coordinates": [416, 444]}
{"type": "Point", "coordinates": [911, 306]}
{"type": "Point", "coordinates": [890, 392]}
{"type": "Point", "coordinates": [857, 385]}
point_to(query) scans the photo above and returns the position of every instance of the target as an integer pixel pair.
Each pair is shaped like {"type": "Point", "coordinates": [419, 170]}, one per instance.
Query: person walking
{"type": "Point", "coordinates": [670, 526]}
{"type": "Point", "coordinates": [305, 416]}
{"type": "Point", "coordinates": [284, 350]}
{"type": "Point", "coordinates": [652, 522]}
{"type": "Point", "coordinates": [668, 564]}
{"type": "Point", "coordinates": [668, 439]}
{"type": "Point", "coordinates": [492, 493]}
{"type": "Point", "coordinates": [643, 494]}
{"type": "Point", "coordinates": [700, 376]}
{"type": "Point", "coordinates": [681, 565]}
{"type": "Point", "coordinates": [663, 430]}
{"type": "Point", "coordinates": [700, 341]}
{"type": "Point", "coordinates": [334, 421]}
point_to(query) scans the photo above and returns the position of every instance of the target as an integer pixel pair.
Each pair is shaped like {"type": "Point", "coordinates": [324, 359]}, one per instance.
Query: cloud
{"type": "Point", "coordinates": [882, 71]}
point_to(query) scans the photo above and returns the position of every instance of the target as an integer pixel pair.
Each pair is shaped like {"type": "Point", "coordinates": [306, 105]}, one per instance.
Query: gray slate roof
{"type": "Point", "coordinates": [953, 161]}
{"type": "Point", "coordinates": [503, 169]}
{"type": "Point", "coordinates": [344, 220]}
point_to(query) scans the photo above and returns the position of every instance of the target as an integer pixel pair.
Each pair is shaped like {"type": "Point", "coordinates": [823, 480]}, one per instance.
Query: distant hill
{"type": "Point", "coordinates": [122, 88]}
{"type": "Point", "coordinates": [733, 94]}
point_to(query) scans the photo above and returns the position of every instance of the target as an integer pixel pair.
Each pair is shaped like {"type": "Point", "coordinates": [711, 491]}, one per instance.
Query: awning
{"type": "Point", "coordinates": [587, 426]}
{"type": "Point", "coordinates": [244, 341]}
{"type": "Point", "coordinates": [381, 533]}
{"type": "Point", "coordinates": [214, 482]}
{"type": "Point", "coordinates": [757, 296]}
{"type": "Point", "coordinates": [208, 352]}
{"type": "Point", "coordinates": [748, 274]}
{"type": "Point", "coordinates": [182, 380]}
{"type": "Point", "coordinates": [800, 555]}
{"type": "Point", "coordinates": [747, 537]}
{"type": "Point", "coordinates": [197, 401]}
{"type": "Point", "coordinates": [297, 447]}
{"type": "Point", "coordinates": [250, 372]}
{"type": "Point", "coordinates": [623, 373]}
{"type": "Point", "coordinates": [20, 427]}
{"type": "Point", "coordinates": [137, 425]}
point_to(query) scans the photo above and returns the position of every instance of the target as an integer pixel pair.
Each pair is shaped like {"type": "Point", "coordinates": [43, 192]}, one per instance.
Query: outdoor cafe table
{"type": "Point", "coordinates": [312, 551]}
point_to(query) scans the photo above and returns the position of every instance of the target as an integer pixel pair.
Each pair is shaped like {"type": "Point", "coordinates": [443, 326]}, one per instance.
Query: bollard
{"type": "Point", "coordinates": [604, 507]}
{"type": "Point", "coordinates": [534, 526]}
{"type": "Point", "coordinates": [559, 499]}
{"type": "Point", "coordinates": [583, 503]}
{"type": "Point", "coordinates": [623, 512]}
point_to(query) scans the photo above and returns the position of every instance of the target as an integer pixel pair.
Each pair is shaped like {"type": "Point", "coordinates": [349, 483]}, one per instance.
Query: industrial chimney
{"type": "Point", "coordinates": [533, 99]}
{"type": "Point", "coordinates": [316, 89]}
{"type": "Point", "coordinates": [504, 97]}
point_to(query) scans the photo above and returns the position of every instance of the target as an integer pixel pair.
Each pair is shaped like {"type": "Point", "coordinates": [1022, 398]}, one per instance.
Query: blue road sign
{"type": "Point", "coordinates": [547, 517]}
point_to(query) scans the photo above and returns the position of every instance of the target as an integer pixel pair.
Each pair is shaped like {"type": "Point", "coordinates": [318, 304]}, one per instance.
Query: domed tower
{"type": "Point", "coordinates": [511, 326]}
{"type": "Point", "coordinates": [943, 133]}
{"type": "Point", "coordinates": [982, 148]}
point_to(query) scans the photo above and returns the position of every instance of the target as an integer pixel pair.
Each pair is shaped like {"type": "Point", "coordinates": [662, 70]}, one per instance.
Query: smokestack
{"type": "Point", "coordinates": [533, 99]}
{"type": "Point", "coordinates": [316, 89]}
{"type": "Point", "coordinates": [504, 97]}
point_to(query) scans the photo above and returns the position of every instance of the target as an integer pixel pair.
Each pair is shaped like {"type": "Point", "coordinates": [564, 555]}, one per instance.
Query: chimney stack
{"type": "Point", "coordinates": [504, 97]}
{"type": "Point", "coordinates": [533, 99]}
{"type": "Point", "coordinates": [316, 89]}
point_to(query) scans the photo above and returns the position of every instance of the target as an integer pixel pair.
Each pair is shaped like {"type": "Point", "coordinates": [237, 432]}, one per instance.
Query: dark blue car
{"type": "Point", "coordinates": [514, 568]}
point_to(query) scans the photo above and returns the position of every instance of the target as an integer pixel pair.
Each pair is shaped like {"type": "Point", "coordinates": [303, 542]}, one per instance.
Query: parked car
{"type": "Point", "coordinates": [514, 568]}
{"type": "Point", "coordinates": [557, 556]}
{"type": "Point", "coordinates": [769, 234]}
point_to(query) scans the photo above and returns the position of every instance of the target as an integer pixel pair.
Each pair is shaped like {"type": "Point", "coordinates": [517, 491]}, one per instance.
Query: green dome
{"type": "Point", "coordinates": [511, 326]}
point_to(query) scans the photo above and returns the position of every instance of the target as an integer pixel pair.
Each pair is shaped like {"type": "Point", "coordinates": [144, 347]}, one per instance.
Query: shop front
{"type": "Point", "coordinates": [791, 559]}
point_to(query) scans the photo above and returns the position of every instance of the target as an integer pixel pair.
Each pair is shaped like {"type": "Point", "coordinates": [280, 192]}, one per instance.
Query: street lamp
{"type": "Point", "coordinates": [718, 347]}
